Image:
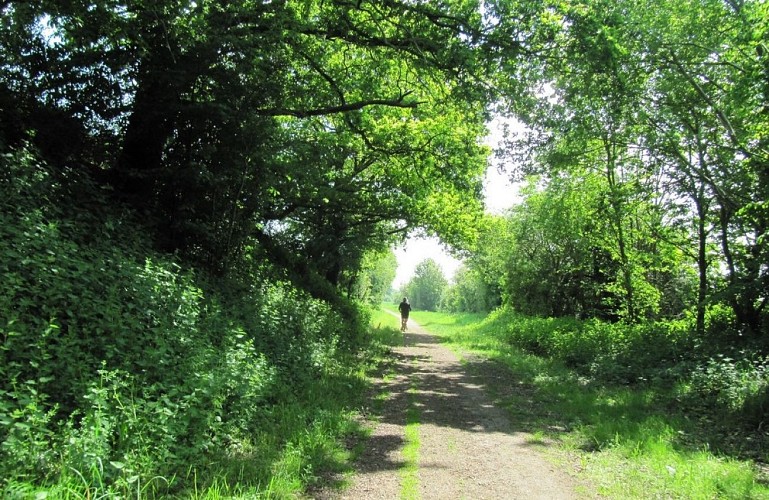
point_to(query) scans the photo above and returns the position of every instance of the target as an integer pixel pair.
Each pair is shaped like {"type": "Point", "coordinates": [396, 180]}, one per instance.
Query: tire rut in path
{"type": "Point", "coordinates": [468, 447]}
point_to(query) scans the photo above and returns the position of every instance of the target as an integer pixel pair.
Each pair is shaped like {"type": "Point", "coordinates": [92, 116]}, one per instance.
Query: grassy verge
{"type": "Point", "coordinates": [624, 441]}
{"type": "Point", "coordinates": [384, 330]}
{"type": "Point", "coordinates": [323, 451]}
{"type": "Point", "coordinates": [303, 442]}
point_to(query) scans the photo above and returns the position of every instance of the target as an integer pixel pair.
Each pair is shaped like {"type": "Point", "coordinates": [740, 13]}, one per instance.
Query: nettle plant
{"type": "Point", "coordinates": [118, 367]}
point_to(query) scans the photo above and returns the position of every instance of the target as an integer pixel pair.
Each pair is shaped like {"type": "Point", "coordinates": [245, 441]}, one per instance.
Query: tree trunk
{"type": "Point", "coordinates": [702, 262]}
{"type": "Point", "coordinates": [617, 220]}
{"type": "Point", "coordinates": [139, 168]}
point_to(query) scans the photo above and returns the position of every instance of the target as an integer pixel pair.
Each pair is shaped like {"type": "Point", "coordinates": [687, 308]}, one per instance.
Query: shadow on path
{"type": "Point", "coordinates": [467, 447]}
{"type": "Point", "coordinates": [449, 394]}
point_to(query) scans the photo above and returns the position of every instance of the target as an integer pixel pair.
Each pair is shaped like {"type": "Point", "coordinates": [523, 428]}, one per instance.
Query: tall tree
{"type": "Point", "coordinates": [704, 114]}
{"type": "Point", "coordinates": [306, 131]}
{"type": "Point", "coordinates": [590, 121]}
{"type": "Point", "coordinates": [469, 293]}
{"type": "Point", "coordinates": [426, 288]}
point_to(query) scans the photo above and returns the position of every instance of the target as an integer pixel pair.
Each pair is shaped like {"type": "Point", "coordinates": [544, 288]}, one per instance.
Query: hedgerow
{"type": "Point", "coordinates": [122, 370]}
{"type": "Point", "coordinates": [711, 374]}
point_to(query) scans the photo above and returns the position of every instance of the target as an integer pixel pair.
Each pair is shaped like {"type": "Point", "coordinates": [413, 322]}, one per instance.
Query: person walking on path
{"type": "Point", "coordinates": [405, 309]}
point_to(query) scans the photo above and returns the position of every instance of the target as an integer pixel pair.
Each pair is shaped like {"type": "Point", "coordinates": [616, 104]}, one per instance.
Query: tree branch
{"type": "Point", "coordinates": [716, 109]}
{"type": "Point", "coordinates": [399, 102]}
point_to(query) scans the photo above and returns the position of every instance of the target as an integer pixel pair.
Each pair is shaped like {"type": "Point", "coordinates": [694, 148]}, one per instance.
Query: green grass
{"type": "Point", "coordinates": [385, 328]}
{"type": "Point", "coordinates": [625, 441]}
{"type": "Point", "coordinates": [410, 469]}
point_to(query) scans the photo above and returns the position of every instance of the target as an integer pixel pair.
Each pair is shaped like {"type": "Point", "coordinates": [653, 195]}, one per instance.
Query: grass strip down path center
{"type": "Point", "coordinates": [410, 469]}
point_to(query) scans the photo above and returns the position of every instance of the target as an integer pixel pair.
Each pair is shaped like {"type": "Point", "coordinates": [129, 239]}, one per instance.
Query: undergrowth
{"type": "Point", "coordinates": [126, 373]}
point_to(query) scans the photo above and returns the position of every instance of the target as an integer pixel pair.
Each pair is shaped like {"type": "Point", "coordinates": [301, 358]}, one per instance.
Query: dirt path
{"type": "Point", "coordinates": [440, 437]}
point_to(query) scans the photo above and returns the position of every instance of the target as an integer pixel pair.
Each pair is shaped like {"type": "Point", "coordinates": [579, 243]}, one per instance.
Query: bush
{"type": "Point", "coordinates": [120, 370]}
{"type": "Point", "coordinates": [615, 352]}
{"type": "Point", "coordinates": [734, 386]}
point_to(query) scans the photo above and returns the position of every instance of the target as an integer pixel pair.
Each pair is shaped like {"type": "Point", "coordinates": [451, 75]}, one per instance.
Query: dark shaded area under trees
{"type": "Point", "coordinates": [254, 124]}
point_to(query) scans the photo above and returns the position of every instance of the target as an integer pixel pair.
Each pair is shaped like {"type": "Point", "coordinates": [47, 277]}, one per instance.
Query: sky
{"type": "Point", "coordinates": [499, 194]}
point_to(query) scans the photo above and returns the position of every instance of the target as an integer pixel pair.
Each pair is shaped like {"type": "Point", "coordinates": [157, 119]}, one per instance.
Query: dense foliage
{"type": "Point", "coordinates": [195, 195]}
{"type": "Point", "coordinates": [372, 283]}
{"type": "Point", "coordinates": [701, 377]}
{"type": "Point", "coordinates": [123, 370]}
{"type": "Point", "coordinates": [637, 255]}
{"type": "Point", "coordinates": [469, 292]}
{"type": "Point", "coordinates": [302, 132]}
{"type": "Point", "coordinates": [643, 165]}
{"type": "Point", "coordinates": [639, 249]}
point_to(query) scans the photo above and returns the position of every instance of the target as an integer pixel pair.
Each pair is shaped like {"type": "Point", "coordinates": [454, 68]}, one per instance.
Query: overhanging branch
{"type": "Point", "coordinates": [399, 102]}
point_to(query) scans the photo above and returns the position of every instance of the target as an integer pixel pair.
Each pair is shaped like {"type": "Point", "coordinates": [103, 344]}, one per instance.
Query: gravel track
{"type": "Point", "coordinates": [468, 448]}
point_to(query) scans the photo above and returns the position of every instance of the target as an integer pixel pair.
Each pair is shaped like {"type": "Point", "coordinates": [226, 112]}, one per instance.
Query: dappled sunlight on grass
{"type": "Point", "coordinates": [627, 441]}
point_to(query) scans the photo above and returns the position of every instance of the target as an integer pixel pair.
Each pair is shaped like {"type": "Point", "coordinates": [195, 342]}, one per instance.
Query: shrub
{"type": "Point", "coordinates": [736, 386]}
{"type": "Point", "coordinates": [614, 352]}
{"type": "Point", "coordinates": [120, 369]}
